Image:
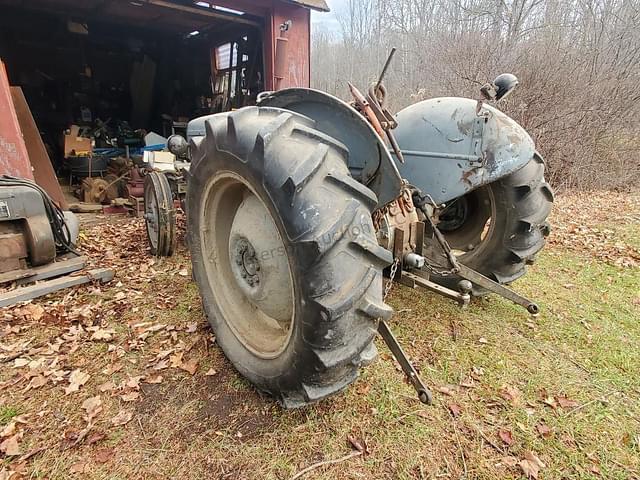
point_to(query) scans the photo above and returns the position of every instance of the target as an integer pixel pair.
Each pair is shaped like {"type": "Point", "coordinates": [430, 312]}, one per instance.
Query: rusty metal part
{"type": "Point", "coordinates": [362, 105]}
{"type": "Point", "coordinates": [395, 272]}
{"type": "Point", "coordinates": [424, 394]}
{"type": "Point", "coordinates": [401, 214]}
{"type": "Point", "coordinates": [417, 279]}
{"type": "Point", "coordinates": [376, 101]}
{"type": "Point", "coordinates": [13, 250]}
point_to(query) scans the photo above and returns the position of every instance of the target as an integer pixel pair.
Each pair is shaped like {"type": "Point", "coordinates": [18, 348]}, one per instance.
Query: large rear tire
{"type": "Point", "coordinates": [284, 253]}
{"type": "Point", "coordinates": [498, 229]}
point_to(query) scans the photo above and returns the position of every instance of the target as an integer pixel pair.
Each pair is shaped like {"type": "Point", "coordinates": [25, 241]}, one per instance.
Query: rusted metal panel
{"type": "Point", "coordinates": [14, 159]}
{"type": "Point", "coordinates": [43, 171]}
{"type": "Point", "coordinates": [296, 68]}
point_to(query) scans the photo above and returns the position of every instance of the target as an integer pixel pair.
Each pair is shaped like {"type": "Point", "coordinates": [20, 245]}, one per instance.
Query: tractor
{"type": "Point", "coordinates": [298, 207]}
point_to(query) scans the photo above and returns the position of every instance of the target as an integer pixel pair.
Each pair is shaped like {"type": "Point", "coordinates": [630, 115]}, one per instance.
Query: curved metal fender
{"type": "Point", "coordinates": [369, 160]}
{"type": "Point", "coordinates": [450, 147]}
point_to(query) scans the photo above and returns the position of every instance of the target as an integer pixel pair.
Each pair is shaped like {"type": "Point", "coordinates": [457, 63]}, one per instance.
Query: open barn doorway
{"type": "Point", "coordinates": [115, 70]}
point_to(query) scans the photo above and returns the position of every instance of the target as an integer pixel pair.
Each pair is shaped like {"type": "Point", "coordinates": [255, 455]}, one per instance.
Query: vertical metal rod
{"type": "Point", "coordinates": [384, 69]}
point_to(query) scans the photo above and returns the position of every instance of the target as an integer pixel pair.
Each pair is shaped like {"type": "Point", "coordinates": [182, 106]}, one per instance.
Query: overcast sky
{"type": "Point", "coordinates": [328, 20]}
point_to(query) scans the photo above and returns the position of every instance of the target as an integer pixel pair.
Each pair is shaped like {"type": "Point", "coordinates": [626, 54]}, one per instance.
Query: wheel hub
{"type": "Point", "coordinates": [259, 261]}
{"type": "Point", "coordinates": [246, 266]}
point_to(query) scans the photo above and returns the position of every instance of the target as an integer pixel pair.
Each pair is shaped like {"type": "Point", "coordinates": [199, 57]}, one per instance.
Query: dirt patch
{"type": "Point", "coordinates": [216, 405]}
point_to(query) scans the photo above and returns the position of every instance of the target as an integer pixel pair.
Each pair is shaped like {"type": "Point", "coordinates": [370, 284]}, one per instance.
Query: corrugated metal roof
{"type": "Point", "coordinates": [320, 5]}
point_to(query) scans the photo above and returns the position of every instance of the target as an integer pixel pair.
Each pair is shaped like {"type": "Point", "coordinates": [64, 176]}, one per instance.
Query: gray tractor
{"type": "Point", "coordinates": [299, 206]}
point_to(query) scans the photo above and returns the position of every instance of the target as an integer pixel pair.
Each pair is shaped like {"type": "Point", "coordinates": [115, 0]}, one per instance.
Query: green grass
{"type": "Point", "coordinates": [583, 346]}
{"type": "Point", "coordinates": [7, 413]}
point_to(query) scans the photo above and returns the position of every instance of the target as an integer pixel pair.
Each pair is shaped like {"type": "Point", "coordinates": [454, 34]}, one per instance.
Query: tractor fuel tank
{"type": "Point", "coordinates": [453, 145]}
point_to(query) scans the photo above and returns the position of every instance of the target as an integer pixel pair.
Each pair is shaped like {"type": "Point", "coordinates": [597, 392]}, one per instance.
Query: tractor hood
{"type": "Point", "coordinates": [451, 146]}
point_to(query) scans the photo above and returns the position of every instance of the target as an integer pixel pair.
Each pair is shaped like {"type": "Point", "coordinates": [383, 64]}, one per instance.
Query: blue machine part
{"type": "Point", "coordinates": [454, 145]}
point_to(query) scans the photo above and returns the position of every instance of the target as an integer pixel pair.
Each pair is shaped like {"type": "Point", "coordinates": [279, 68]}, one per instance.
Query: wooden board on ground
{"type": "Point", "coordinates": [62, 266]}
{"type": "Point", "coordinates": [55, 269]}
{"type": "Point", "coordinates": [50, 286]}
{"type": "Point", "coordinates": [14, 275]}
{"type": "Point", "coordinates": [82, 207]}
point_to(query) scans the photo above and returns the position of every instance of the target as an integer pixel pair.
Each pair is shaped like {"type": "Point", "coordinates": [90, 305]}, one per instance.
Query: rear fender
{"type": "Point", "coordinates": [451, 148]}
{"type": "Point", "coordinates": [369, 160]}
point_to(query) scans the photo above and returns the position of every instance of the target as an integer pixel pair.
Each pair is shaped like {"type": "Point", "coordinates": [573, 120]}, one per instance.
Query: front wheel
{"type": "Point", "coordinates": [159, 215]}
{"type": "Point", "coordinates": [498, 229]}
{"type": "Point", "coordinates": [284, 253]}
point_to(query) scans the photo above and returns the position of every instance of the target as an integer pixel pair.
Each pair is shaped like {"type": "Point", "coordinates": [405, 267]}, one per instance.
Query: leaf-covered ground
{"type": "Point", "coordinates": [125, 380]}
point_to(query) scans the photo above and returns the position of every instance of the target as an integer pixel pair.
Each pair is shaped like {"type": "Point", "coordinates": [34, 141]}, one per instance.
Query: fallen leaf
{"type": "Point", "coordinates": [455, 409]}
{"type": "Point", "coordinates": [162, 364]}
{"type": "Point", "coordinates": [107, 387]}
{"type": "Point", "coordinates": [113, 368]}
{"type": "Point", "coordinates": [10, 446]}
{"type": "Point", "coordinates": [37, 382]}
{"type": "Point", "coordinates": [511, 394]}
{"type": "Point", "coordinates": [134, 382]}
{"type": "Point", "coordinates": [509, 461]}
{"type": "Point", "coordinates": [101, 334]}
{"type": "Point", "coordinates": [358, 444]}
{"type": "Point", "coordinates": [122, 418]}
{"type": "Point", "coordinates": [31, 311]}
{"type": "Point", "coordinates": [93, 406]}
{"type": "Point", "coordinates": [76, 380]}
{"type": "Point", "coordinates": [95, 438]}
{"type": "Point", "coordinates": [565, 402]}
{"type": "Point", "coordinates": [104, 455]}
{"type": "Point", "coordinates": [130, 397]}
{"type": "Point", "coordinates": [153, 379]}
{"type": "Point", "coordinates": [79, 467]}
{"type": "Point", "coordinates": [192, 327]}
{"type": "Point", "coordinates": [506, 436]}
{"type": "Point", "coordinates": [176, 359]}
{"type": "Point", "coordinates": [9, 430]}
{"type": "Point", "coordinates": [447, 390]}
{"type": "Point", "coordinates": [531, 465]}
{"type": "Point", "coordinates": [191, 366]}
{"type": "Point", "coordinates": [543, 430]}
{"type": "Point", "coordinates": [21, 362]}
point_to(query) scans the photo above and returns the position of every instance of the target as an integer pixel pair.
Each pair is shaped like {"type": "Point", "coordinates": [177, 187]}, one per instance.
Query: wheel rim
{"type": "Point", "coordinates": [469, 222]}
{"type": "Point", "coordinates": [247, 265]}
{"type": "Point", "coordinates": [152, 216]}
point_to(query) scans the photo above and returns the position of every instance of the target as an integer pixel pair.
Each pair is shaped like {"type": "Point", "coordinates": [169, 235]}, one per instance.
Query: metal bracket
{"type": "Point", "coordinates": [416, 279]}
{"type": "Point", "coordinates": [484, 282]}
{"type": "Point", "coordinates": [424, 394]}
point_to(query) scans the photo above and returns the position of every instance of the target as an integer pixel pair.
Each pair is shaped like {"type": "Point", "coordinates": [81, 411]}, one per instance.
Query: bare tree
{"type": "Point", "coordinates": [578, 62]}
